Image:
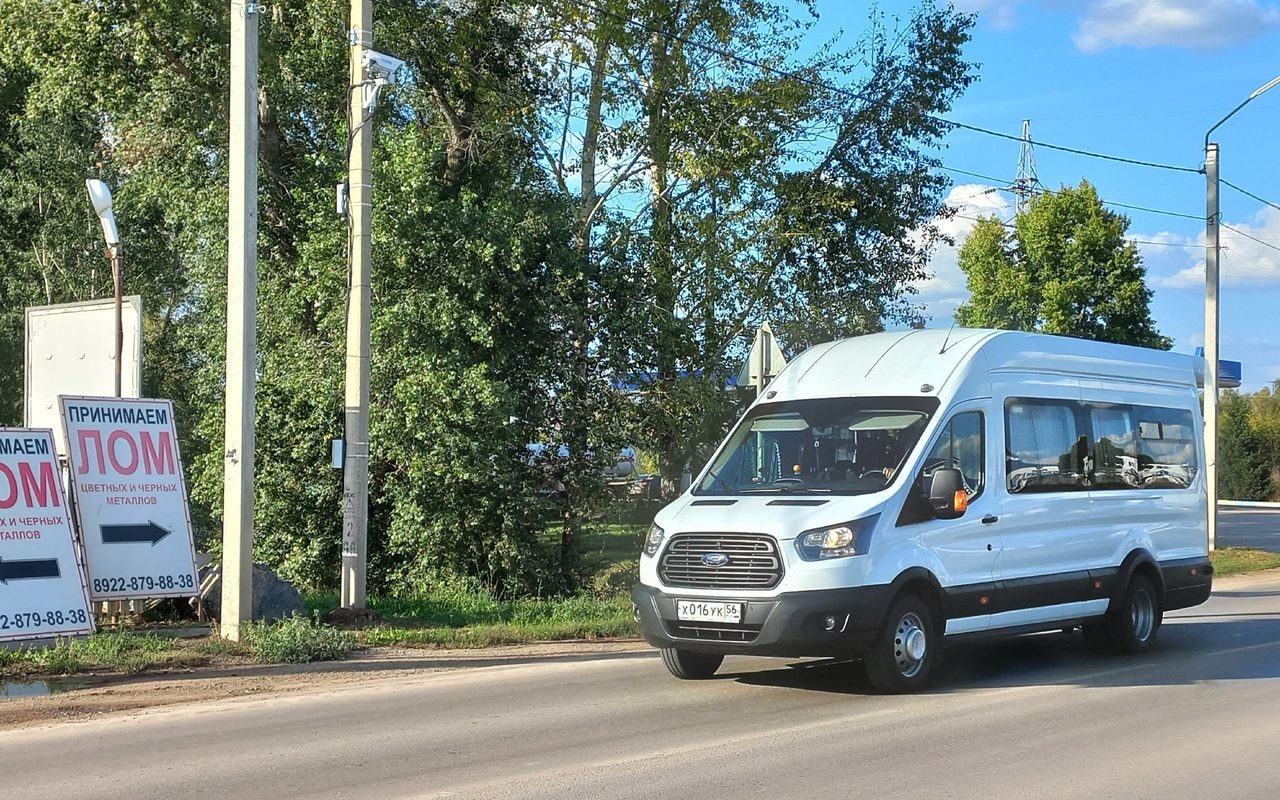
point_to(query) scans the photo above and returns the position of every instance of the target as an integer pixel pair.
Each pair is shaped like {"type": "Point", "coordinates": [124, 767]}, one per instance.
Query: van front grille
{"type": "Point", "coordinates": [752, 561]}
{"type": "Point", "coordinates": [712, 631]}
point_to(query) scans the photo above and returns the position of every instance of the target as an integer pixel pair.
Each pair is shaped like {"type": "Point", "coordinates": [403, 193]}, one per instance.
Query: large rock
{"type": "Point", "coordinates": [273, 597]}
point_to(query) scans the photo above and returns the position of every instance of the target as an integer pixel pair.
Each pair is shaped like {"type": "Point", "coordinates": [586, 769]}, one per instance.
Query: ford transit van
{"type": "Point", "coordinates": [891, 493]}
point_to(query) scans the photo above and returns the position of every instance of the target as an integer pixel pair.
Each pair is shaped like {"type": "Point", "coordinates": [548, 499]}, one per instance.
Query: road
{"type": "Point", "coordinates": [1239, 527]}
{"type": "Point", "coordinates": [1036, 717]}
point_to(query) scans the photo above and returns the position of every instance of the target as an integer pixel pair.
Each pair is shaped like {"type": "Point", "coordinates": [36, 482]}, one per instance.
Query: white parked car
{"type": "Point", "coordinates": [891, 493]}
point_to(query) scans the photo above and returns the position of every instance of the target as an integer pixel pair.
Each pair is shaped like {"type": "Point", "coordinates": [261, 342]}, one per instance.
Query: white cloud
{"type": "Point", "coordinates": [1193, 24]}
{"type": "Point", "coordinates": [1244, 261]}
{"type": "Point", "coordinates": [999, 14]}
{"type": "Point", "coordinates": [946, 287]}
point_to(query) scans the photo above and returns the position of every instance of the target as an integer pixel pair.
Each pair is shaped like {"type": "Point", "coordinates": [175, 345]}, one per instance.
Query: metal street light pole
{"type": "Point", "coordinates": [100, 198]}
{"type": "Point", "coordinates": [1211, 253]}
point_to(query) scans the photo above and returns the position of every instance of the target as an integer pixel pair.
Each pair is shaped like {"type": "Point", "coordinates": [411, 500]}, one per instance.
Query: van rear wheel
{"type": "Point", "coordinates": [902, 658]}
{"type": "Point", "coordinates": [690, 666]}
{"type": "Point", "coordinates": [1132, 628]}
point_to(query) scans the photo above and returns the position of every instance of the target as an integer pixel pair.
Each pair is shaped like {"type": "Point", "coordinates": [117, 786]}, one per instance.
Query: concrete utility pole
{"type": "Point", "coordinates": [1211, 251]}
{"type": "Point", "coordinates": [355, 476]}
{"type": "Point", "coordinates": [1212, 224]}
{"type": "Point", "coordinates": [242, 320]}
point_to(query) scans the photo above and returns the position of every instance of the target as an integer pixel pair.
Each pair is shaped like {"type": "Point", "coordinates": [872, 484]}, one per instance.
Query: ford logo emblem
{"type": "Point", "coordinates": [715, 559]}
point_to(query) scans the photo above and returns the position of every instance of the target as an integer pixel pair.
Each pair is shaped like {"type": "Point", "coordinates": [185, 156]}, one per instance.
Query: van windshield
{"type": "Point", "coordinates": [830, 446]}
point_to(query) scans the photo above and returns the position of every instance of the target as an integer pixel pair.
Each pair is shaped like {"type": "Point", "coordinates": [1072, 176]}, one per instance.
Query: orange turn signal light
{"type": "Point", "coordinates": [961, 501]}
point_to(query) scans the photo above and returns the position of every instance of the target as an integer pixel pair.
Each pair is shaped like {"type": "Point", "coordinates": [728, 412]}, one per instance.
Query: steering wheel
{"type": "Point", "coordinates": [876, 474]}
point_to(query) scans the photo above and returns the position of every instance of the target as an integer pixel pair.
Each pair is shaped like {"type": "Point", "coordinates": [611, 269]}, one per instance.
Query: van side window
{"type": "Point", "coordinates": [1115, 448]}
{"type": "Point", "coordinates": [1047, 446]}
{"type": "Point", "coordinates": [960, 446]}
{"type": "Point", "coordinates": [1166, 448]}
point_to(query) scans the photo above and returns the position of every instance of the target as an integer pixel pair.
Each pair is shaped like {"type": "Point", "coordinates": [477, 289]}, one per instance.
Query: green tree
{"type": "Point", "coordinates": [1063, 266]}
{"type": "Point", "coordinates": [726, 179]}
{"type": "Point", "coordinates": [1244, 471]}
{"type": "Point", "coordinates": [517, 280]}
{"type": "Point", "coordinates": [1264, 418]}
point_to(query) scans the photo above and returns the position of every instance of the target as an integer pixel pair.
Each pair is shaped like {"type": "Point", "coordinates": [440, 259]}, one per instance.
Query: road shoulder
{"type": "Point", "coordinates": [90, 697]}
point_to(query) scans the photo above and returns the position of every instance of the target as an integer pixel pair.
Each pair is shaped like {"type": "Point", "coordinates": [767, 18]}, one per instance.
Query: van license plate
{"type": "Point", "coordinates": [698, 611]}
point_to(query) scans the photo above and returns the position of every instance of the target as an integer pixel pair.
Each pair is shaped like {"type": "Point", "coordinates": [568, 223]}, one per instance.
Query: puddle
{"type": "Point", "coordinates": [12, 690]}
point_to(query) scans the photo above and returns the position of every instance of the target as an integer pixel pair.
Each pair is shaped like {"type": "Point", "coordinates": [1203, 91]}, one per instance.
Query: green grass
{"type": "Point", "coordinates": [462, 618]}
{"type": "Point", "coordinates": [297, 640]}
{"type": "Point", "coordinates": [114, 651]}
{"type": "Point", "coordinates": [473, 619]}
{"type": "Point", "coordinates": [498, 633]}
{"type": "Point", "coordinates": [611, 543]}
{"type": "Point", "coordinates": [1235, 560]}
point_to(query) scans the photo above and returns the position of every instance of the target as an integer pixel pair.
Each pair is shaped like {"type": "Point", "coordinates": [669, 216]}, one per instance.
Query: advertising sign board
{"type": "Point", "coordinates": [70, 349]}
{"type": "Point", "coordinates": [131, 497]}
{"type": "Point", "coordinates": [42, 587]}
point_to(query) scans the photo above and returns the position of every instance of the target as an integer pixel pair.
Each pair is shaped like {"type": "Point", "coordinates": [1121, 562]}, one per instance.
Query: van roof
{"type": "Point", "coordinates": [901, 363]}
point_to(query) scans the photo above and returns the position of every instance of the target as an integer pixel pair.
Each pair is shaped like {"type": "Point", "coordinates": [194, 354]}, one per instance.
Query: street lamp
{"type": "Point", "coordinates": [100, 197]}
{"type": "Point", "coordinates": [1211, 251]}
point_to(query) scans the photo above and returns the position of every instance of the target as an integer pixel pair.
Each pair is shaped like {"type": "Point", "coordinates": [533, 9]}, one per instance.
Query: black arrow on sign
{"type": "Point", "coordinates": [133, 533]}
{"type": "Point", "coordinates": [29, 568]}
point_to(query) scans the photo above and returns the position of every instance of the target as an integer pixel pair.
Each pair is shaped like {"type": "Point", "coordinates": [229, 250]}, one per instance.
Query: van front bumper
{"type": "Point", "coordinates": [792, 624]}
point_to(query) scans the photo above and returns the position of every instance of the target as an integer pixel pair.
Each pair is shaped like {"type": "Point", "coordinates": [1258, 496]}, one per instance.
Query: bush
{"type": "Point", "coordinates": [297, 640]}
{"type": "Point", "coordinates": [616, 579]}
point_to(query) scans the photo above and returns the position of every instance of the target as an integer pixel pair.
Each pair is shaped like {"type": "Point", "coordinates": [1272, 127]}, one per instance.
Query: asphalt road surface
{"type": "Point", "coordinates": [1249, 528]}
{"type": "Point", "coordinates": [1036, 717]}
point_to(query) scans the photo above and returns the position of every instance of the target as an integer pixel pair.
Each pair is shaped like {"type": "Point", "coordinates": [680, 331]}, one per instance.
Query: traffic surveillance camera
{"type": "Point", "coordinates": [383, 70]}
{"type": "Point", "coordinates": [382, 67]}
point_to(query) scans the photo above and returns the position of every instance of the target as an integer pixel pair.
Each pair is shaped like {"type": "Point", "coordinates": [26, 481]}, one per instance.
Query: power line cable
{"type": "Point", "coordinates": [1262, 242]}
{"type": "Point", "coordinates": [1248, 193]}
{"type": "Point", "coordinates": [1006, 184]}
{"type": "Point", "coordinates": [1011, 226]}
{"type": "Point", "coordinates": [819, 84]}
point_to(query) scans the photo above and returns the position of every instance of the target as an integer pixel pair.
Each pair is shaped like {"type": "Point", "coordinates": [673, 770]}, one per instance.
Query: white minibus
{"type": "Point", "coordinates": [892, 493]}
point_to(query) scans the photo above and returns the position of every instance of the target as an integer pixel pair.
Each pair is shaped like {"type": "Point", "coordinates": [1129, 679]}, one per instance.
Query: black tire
{"type": "Point", "coordinates": [1096, 638]}
{"type": "Point", "coordinates": [904, 654]}
{"type": "Point", "coordinates": [1132, 627]}
{"type": "Point", "coordinates": [690, 666]}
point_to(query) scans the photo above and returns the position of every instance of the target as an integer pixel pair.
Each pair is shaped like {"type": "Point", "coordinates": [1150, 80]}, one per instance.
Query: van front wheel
{"type": "Point", "coordinates": [690, 666]}
{"type": "Point", "coordinates": [904, 653]}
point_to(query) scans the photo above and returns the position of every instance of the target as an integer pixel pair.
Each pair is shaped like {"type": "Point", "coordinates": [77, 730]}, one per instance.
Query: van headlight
{"type": "Point", "coordinates": [837, 541]}
{"type": "Point", "coordinates": [654, 540]}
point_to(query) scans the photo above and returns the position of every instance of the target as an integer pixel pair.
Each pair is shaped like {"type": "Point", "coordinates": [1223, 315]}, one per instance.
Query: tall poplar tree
{"type": "Point", "coordinates": [1065, 265]}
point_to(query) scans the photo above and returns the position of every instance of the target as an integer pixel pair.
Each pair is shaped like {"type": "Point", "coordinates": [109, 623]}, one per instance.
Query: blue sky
{"type": "Point", "coordinates": [1141, 79]}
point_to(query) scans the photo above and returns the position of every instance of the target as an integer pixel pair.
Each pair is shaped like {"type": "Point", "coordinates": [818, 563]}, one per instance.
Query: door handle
{"type": "Point", "coordinates": [990, 518]}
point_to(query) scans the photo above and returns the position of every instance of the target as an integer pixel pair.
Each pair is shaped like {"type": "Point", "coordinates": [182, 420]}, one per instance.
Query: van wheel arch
{"type": "Point", "coordinates": [1137, 562]}
{"type": "Point", "coordinates": [923, 584]}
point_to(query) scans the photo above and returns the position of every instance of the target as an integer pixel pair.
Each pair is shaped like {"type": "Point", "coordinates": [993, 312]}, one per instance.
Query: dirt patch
{"type": "Point", "coordinates": [91, 696]}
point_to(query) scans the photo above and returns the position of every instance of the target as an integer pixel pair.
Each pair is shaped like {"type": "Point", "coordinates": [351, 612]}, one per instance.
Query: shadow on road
{"type": "Point", "coordinates": [1191, 651]}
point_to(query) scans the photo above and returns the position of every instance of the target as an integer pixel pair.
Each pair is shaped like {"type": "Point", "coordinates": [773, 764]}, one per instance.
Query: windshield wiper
{"type": "Point", "coordinates": [728, 487]}
{"type": "Point", "coordinates": [784, 489]}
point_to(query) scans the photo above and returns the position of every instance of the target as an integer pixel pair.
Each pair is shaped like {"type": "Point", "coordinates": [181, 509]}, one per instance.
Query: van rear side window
{"type": "Point", "coordinates": [1115, 448]}
{"type": "Point", "coordinates": [1064, 445]}
{"type": "Point", "coordinates": [1166, 448]}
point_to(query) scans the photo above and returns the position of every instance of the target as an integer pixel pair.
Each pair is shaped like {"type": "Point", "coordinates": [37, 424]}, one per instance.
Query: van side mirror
{"type": "Point", "coordinates": [947, 497]}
